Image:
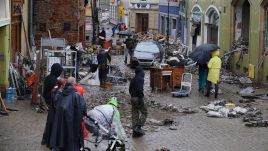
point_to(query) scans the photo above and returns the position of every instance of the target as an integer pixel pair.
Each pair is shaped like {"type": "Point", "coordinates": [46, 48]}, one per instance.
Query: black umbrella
{"type": "Point", "coordinates": [124, 33]}
{"type": "Point", "coordinates": [202, 53]}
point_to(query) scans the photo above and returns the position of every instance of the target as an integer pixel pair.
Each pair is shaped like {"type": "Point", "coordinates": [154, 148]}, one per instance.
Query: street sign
{"type": "Point", "coordinates": [121, 11]}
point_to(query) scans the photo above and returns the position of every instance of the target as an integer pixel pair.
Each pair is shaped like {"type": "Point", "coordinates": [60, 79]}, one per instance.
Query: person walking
{"type": "Point", "coordinates": [214, 68]}
{"type": "Point", "coordinates": [129, 42]}
{"type": "Point", "coordinates": [49, 83]}
{"type": "Point", "coordinates": [103, 58]}
{"type": "Point", "coordinates": [139, 110]}
{"type": "Point", "coordinates": [114, 29]}
{"type": "Point", "coordinates": [203, 73]}
{"type": "Point", "coordinates": [66, 132]}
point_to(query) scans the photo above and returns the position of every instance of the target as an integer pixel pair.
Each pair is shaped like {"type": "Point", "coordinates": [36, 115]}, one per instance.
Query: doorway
{"type": "Point", "coordinates": [142, 22]}
{"type": "Point", "coordinates": [196, 28]}
{"type": "Point", "coordinates": [212, 26]}
{"type": "Point", "coordinates": [241, 19]}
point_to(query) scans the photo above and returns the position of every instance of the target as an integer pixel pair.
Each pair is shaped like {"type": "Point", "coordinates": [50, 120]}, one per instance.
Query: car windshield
{"type": "Point", "coordinates": [147, 47]}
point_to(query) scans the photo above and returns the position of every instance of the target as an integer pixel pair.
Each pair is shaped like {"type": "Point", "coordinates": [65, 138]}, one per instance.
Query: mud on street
{"type": "Point", "coordinates": [175, 123]}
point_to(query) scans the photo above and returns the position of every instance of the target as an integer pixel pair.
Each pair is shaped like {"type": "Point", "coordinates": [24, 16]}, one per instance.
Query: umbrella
{"type": "Point", "coordinates": [124, 33]}
{"type": "Point", "coordinates": [202, 53]}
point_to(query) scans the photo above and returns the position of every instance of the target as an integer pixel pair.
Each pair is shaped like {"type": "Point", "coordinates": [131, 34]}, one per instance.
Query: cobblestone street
{"type": "Point", "coordinates": [22, 130]}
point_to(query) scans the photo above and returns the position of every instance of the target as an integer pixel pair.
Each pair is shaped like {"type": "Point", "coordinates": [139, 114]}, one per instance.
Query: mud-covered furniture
{"type": "Point", "coordinates": [162, 78]}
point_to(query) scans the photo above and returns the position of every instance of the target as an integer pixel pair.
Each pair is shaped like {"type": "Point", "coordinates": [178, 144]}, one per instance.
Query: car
{"type": "Point", "coordinates": [146, 53]}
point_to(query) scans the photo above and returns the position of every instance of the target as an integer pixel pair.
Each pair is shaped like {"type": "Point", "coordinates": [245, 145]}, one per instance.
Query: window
{"type": "Point", "coordinates": [162, 25]}
{"type": "Point", "coordinates": [266, 28]}
{"type": "Point", "coordinates": [174, 24]}
{"type": "Point", "coordinates": [42, 27]}
{"type": "Point", "coordinates": [4, 13]}
{"type": "Point", "coordinates": [67, 26]}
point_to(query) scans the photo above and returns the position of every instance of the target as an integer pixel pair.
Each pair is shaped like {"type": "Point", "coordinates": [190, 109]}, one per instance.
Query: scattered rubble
{"type": "Point", "coordinates": [241, 44]}
{"type": "Point", "coordinates": [221, 109]}
{"type": "Point", "coordinates": [245, 80]}
{"type": "Point", "coordinates": [163, 149]}
{"type": "Point", "coordinates": [247, 91]}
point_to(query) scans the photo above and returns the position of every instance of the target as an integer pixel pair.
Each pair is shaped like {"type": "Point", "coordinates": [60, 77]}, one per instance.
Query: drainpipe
{"type": "Point", "coordinates": [78, 20]}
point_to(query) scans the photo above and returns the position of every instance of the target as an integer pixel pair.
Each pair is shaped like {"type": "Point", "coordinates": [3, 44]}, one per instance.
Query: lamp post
{"type": "Point", "coordinates": [167, 32]}
{"type": "Point", "coordinates": [168, 23]}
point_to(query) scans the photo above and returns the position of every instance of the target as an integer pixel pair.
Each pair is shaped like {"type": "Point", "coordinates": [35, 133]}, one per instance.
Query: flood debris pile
{"type": "Point", "coordinates": [222, 109]}
{"type": "Point", "coordinates": [115, 75]}
{"type": "Point", "coordinates": [240, 44]}
{"type": "Point", "coordinates": [231, 78]}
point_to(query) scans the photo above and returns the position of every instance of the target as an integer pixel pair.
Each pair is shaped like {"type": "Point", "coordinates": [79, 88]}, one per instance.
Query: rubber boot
{"type": "Point", "coordinates": [137, 131]}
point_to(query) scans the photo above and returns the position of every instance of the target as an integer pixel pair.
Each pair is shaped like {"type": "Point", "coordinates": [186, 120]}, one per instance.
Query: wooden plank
{"type": "Point", "coordinates": [3, 104]}
{"type": "Point", "coordinates": [26, 38]}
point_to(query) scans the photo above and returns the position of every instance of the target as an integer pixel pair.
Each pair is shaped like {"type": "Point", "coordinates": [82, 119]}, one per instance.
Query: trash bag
{"type": "Point", "coordinates": [214, 114]}
{"type": "Point", "coordinates": [174, 61]}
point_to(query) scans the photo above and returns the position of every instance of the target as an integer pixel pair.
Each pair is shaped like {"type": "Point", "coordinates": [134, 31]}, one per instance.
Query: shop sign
{"type": "Point", "coordinates": [142, 6]}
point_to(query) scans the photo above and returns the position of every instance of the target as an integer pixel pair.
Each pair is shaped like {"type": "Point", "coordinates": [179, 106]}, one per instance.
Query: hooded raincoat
{"type": "Point", "coordinates": [66, 131]}
{"type": "Point", "coordinates": [108, 116]}
{"type": "Point", "coordinates": [49, 83]}
{"type": "Point", "coordinates": [214, 67]}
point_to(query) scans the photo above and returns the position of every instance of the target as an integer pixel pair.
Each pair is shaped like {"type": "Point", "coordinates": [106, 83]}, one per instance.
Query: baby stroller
{"type": "Point", "coordinates": [100, 133]}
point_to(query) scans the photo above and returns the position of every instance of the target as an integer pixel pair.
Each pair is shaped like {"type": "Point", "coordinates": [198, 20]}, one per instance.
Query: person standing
{"type": "Point", "coordinates": [78, 88]}
{"type": "Point", "coordinates": [103, 58]}
{"type": "Point", "coordinates": [49, 83]}
{"type": "Point", "coordinates": [66, 132]}
{"type": "Point", "coordinates": [139, 110]}
{"type": "Point", "coordinates": [214, 68]}
{"type": "Point", "coordinates": [102, 37]}
{"type": "Point", "coordinates": [203, 73]}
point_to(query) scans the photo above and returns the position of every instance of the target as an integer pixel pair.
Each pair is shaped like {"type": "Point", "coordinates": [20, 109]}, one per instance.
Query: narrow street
{"type": "Point", "coordinates": [22, 130]}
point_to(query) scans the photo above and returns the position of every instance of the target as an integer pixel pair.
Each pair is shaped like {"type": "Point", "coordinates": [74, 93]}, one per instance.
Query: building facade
{"type": "Point", "coordinates": [172, 19]}
{"type": "Point", "coordinates": [63, 18]}
{"type": "Point", "coordinates": [229, 21]}
{"type": "Point", "coordinates": [143, 15]}
{"type": "Point", "coordinates": [5, 20]}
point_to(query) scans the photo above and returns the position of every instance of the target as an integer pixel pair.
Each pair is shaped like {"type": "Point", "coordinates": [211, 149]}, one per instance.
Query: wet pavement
{"type": "Point", "coordinates": [22, 130]}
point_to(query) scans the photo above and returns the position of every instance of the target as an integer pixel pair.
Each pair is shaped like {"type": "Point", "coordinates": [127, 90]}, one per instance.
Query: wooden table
{"type": "Point", "coordinates": [160, 78]}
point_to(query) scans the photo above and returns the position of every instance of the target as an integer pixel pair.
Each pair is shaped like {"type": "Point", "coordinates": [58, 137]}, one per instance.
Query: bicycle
{"type": "Point", "coordinates": [114, 143]}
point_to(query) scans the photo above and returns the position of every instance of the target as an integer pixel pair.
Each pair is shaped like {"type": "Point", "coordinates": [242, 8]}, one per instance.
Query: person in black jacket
{"type": "Point", "coordinates": [49, 83]}
{"type": "Point", "coordinates": [103, 58]}
{"type": "Point", "coordinates": [66, 133]}
{"type": "Point", "coordinates": [139, 110]}
{"type": "Point", "coordinates": [130, 46]}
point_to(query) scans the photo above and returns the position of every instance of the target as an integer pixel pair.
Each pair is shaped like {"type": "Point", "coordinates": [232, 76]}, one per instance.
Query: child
{"type": "Point", "coordinates": [214, 68]}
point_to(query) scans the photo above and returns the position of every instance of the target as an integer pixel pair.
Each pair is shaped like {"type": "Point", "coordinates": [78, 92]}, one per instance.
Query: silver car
{"type": "Point", "coordinates": [146, 53]}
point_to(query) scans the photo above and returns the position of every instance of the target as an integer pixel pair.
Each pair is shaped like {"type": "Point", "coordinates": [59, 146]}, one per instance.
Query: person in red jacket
{"type": "Point", "coordinates": [79, 89]}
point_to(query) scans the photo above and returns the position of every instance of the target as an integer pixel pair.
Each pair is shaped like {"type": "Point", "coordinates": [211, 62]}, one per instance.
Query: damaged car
{"type": "Point", "coordinates": [146, 53]}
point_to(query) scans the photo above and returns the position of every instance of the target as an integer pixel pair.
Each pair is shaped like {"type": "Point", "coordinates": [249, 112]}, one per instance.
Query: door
{"type": "Point", "coordinates": [142, 22]}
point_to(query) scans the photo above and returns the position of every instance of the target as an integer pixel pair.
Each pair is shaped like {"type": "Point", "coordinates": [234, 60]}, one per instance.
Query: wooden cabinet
{"type": "Point", "coordinates": [161, 78]}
